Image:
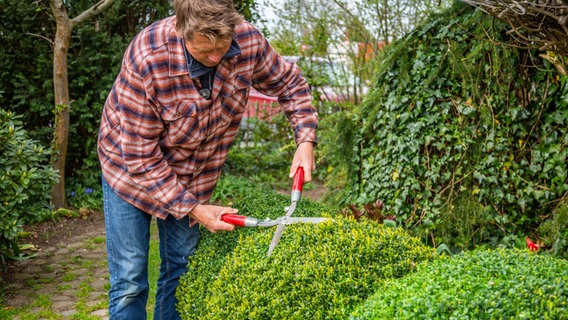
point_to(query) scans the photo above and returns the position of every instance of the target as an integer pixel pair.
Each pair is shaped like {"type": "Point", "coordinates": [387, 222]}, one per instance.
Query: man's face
{"type": "Point", "coordinates": [203, 50]}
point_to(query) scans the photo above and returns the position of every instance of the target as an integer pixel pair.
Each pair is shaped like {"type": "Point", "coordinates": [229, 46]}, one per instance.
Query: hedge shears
{"type": "Point", "coordinates": [281, 222]}
{"type": "Point", "coordinates": [250, 222]}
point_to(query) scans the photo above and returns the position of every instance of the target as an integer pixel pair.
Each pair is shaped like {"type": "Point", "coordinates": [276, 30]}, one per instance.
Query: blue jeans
{"type": "Point", "coordinates": [127, 241]}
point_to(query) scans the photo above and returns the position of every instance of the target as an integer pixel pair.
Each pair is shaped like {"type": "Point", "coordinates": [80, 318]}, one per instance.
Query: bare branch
{"type": "Point", "coordinates": [542, 24]}
{"type": "Point", "coordinates": [42, 37]}
{"type": "Point", "coordinates": [94, 10]}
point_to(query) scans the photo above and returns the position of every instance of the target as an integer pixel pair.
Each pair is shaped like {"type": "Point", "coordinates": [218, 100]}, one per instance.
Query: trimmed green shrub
{"type": "Point", "coordinates": [481, 284]}
{"type": "Point", "coordinates": [317, 271]}
{"type": "Point", "coordinates": [214, 249]}
{"type": "Point", "coordinates": [25, 180]}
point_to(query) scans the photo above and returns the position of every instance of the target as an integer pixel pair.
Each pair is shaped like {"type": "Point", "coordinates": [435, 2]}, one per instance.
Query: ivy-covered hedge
{"type": "Point", "coordinates": [481, 284]}
{"type": "Point", "coordinates": [317, 271]}
{"type": "Point", "coordinates": [464, 137]}
{"type": "Point", "coordinates": [25, 180]}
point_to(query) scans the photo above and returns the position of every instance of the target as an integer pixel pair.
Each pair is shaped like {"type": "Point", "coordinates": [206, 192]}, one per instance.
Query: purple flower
{"type": "Point", "coordinates": [89, 190]}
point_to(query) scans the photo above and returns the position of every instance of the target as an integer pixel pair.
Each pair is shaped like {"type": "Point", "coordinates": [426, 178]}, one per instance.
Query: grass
{"type": "Point", "coordinates": [41, 305]}
{"type": "Point", "coordinates": [153, 269]}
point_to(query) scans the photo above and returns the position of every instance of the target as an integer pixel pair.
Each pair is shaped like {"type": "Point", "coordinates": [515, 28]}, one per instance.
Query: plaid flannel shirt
{"type": "Point", "coordinates": [161, 145]}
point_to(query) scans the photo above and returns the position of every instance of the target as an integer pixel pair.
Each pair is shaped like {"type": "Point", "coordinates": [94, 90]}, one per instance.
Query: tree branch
{"type": "Point", "coordinates": [94, 10]}
{"type": "Point", "coordinates": [541, 24]}
{"type": "Point", "coordinates": [41, 37]}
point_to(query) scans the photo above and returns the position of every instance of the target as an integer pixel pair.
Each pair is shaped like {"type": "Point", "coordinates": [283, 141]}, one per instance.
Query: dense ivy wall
{"type": "Point", "coordinates": [464, 136]}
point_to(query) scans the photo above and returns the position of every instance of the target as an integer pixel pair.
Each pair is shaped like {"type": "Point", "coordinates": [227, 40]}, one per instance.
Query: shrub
{"type": "Point", "coordinates": [231, 187]}
{"type": "Point", "coordinates": [25, 180]}
{"type": "Point", "coordinates": [214, 249]}
{"type": "Point", "coordinates": [481, 284]}
{"type": "Point", "coordinates": [317, 271]}
{"type": "Point", "coordinates": [339, 148]}
{"type": "Point", "coordinates": [554, 232]}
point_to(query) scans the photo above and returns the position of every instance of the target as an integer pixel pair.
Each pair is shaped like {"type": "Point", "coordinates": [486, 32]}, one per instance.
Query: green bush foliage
{"type": "Point", "coordinates": [554, 232]}
{"type": "Point", "coordinates": [25, 180]}
{"type": "Point", "coordinates": [481, 284]}
{"type": "Point", "coordinates": [339, 148]}
{"type": "Point", "coordinates": [262, 151]}
{"type": "Point", "coordinates": [317, 271]}
{"type": "Point", "coordinates": [230, 187]}
{"type": "Point", "coordinates": [461, 127]}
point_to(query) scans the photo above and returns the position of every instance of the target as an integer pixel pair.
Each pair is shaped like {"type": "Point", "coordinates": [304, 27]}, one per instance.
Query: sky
{"type": "Point", "coordinates": [268, 9]}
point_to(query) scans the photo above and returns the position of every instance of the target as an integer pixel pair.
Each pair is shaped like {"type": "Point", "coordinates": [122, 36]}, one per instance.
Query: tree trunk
{"type": "Point", "coordinates": [61, 91]}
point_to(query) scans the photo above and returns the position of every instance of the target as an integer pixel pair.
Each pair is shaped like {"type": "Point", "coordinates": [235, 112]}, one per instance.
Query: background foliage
{"type": "Point", "coordinates": [95, 55]}
{"type": "Point", "coordinates": [25, 180]}
{"type": "Point", "coordinates": [463, 137]}
{"type": "Point", "coordinates": [350, 31]}
{"type": "Point", "coordinates": [262, 152]}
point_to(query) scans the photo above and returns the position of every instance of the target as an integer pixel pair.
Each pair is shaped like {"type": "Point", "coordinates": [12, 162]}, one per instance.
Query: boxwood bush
{"type": "Point", "coordinates": [317, 271]}
{"type": "Point", "coordinates": [481, 284]}
{"type": "Point", "coordinates": [214, 249]}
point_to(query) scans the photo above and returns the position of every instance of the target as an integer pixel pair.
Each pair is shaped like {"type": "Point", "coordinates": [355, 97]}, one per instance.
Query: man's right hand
{"type": "Point", "coordinates": [209, 216]}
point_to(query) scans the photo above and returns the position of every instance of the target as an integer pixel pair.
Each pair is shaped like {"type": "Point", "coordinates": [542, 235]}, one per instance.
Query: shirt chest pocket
{"type": "Point", "coordinates": [184, 127]}
{"type": "Point", "coordinates": [239, 93]}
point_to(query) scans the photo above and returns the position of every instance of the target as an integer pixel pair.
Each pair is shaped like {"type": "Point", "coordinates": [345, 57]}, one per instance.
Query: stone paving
{"type": "Point", "coordinates": [71, 276]}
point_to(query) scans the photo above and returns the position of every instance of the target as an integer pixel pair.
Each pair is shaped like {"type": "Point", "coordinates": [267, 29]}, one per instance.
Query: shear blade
{"type": "Point", "coordinates": [303, 220]}
{"type": "Point", "coordinates": [287, 221]}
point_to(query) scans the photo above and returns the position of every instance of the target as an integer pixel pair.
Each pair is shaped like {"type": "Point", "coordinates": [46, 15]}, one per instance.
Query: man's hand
{"type": "Point", "coordinates": [304, 157]}
{"type": "Point", "coordinates": [209, 216]}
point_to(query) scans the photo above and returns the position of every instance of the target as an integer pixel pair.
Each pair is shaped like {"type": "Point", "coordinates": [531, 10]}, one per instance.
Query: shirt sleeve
{"type": "Point", "coordinates": [274, 76]}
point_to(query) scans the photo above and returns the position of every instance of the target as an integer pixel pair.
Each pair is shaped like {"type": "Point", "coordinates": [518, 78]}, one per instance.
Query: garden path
{"type": "Point", "coordinates": [68, 275]}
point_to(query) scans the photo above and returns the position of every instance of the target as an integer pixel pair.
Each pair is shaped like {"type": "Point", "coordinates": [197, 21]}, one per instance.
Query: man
{"type": "Point", "coordinates": [166, 128]}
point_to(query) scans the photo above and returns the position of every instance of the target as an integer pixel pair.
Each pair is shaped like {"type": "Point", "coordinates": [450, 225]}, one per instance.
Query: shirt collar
{"type": "Point", "coordinates": [197, 69]}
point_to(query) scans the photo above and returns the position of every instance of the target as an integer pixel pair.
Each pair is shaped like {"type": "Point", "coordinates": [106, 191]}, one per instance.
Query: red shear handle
{"type": "Point", "coordinates": [298, 184]}
{"type": "Point", "coordinates": [238, 220]}
{"type": "Point", "coordinates": [234, 219]}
